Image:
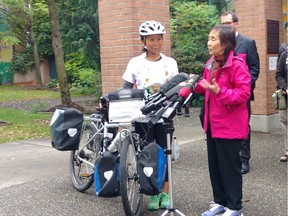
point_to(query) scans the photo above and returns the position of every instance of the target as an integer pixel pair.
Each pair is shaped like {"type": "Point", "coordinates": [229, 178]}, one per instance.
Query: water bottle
{"type": "Point", "coordinates": [176, 150]}
{"type": "Point", "coordinates": [115, 143]}
{"type": "Point", "coordinates": [114, 146]}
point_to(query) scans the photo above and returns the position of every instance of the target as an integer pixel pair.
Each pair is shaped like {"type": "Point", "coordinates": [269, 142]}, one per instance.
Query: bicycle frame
{"type": "Point", "coordinates": [94, 121]}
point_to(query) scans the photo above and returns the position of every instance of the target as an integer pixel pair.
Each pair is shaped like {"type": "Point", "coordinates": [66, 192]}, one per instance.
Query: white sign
{"type": "Point", "coordinates": [272, 63]}
{"type": "Point", "coordinates": [125, 110]}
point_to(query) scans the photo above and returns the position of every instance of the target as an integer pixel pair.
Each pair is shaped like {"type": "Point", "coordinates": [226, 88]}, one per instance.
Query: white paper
{"type": "Point", "coordinates": [125, 110]}
{"type": "Point", "coordinates": [272, 63]}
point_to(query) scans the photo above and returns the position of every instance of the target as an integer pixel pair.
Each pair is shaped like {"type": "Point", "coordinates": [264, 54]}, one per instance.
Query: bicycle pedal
{"type": "Point", "coordinates": [85, 175]}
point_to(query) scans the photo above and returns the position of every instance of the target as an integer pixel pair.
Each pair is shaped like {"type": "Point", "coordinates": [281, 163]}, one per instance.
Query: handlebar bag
{"type": "Point", "coordinates": [121, 94]}
{"type": "Point", "coordinates": [106, 175]}
{"type": "Point", "coordinates": [125, 105]}
{"type": "Point", "coordinates": [66, 125]}
{"type": "Point", "coordinates": [151, 169]}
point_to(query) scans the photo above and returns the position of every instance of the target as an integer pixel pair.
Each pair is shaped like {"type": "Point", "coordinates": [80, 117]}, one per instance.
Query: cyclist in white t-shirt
{"type": "Point", "coordinates": [152, 67]}
{"type": "Point", "coordinates": [148, 71]}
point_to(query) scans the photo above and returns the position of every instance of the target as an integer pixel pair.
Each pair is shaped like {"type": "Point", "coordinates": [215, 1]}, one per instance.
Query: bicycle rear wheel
{"type": "Point", "coordinates": [132, 199]}
{"type": "Point", "coordinates": [82, 173]}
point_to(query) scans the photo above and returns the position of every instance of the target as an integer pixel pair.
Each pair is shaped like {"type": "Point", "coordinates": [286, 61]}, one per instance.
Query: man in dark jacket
{"type": "Point", "coordinates": [284, 45]}
{"type": "Point", "coordinates": [245, 48]}
{"type": "Point", "coordinates": [281, 79]}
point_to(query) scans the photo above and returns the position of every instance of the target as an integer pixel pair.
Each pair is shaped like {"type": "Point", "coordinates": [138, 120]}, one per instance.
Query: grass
{"type": "Point", "coordinates": [24, 124]}
{"type": "Point", "coordinates": [9, 93]}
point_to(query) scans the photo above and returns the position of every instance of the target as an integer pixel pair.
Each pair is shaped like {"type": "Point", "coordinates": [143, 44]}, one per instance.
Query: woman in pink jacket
{"type": "Point", "coordinates": [226, 86]}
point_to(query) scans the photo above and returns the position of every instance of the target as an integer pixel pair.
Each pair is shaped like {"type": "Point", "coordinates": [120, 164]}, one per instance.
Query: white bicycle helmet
{"type": "Point", "coordinates": [151, 28]}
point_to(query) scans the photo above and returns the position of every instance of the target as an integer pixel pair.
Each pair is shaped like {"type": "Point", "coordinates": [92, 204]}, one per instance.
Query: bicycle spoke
{"type": "Point", "coordinates": [82, 162]}
{"type": "Point", "coordinates": [132, 199]}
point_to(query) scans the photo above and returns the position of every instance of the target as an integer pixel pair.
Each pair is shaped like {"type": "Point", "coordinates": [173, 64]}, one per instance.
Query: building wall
{"type": "Point", "coordinates": [5, 63]}
{"type": "Point", "coordinates": [253, 23]}
{"type": "Point", "coordinates": [284, 19]}
{"type": "Point", "coordinates": [119, 41]}
{"type": "Point", "coordinates": [5, 53]}
{"type": "Point", "coordinates": [31, 74]}
{"type": "Point", "coordinates": [119, 22]}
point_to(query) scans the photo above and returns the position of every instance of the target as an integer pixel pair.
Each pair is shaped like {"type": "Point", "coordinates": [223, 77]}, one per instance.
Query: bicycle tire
{"type": "Point", "coordinates": [82, 174]}
{"type": "Point", "coordinates": [131, 197]}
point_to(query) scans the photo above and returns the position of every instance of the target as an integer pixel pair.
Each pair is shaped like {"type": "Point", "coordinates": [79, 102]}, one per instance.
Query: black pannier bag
{"type": "Point", "coordinates": [151, 169]}
{"type": "Point", "coordinates": [66, 125]}
{"type": "Point", "coordinates": [106, 175]}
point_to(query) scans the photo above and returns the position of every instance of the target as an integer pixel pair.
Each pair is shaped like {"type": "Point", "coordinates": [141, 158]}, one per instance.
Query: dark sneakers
{"type": "Point", "coordinates": [245, 167]}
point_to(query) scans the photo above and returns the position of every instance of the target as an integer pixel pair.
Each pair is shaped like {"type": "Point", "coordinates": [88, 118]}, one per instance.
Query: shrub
{"type": "Point", "coordinates": [87, 82]}
{"type": "Point", "coordinates": [74, 62]}
{"type": "Point", "coordinates": [82, 78]}
{"type": "Point", "coordinates": [53, 83]}
{"type": "Point", "coordinates": [22, 61]}
{"type": "Point", "coordinates": [190, 26]}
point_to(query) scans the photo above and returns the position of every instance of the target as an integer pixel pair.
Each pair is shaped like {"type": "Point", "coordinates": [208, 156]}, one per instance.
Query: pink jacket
{"type": "Point", "coordinates": [227, 111]}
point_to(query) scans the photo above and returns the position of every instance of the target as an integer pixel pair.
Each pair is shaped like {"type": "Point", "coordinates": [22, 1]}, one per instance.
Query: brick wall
{"type": "Point", "coordinates": [119, 39]}
{"type": "Point", "coordinates": [253, 17]}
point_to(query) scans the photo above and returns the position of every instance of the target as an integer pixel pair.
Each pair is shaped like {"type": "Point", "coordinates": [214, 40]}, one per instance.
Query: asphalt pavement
{"type": "Point", "coordinates": [34, 178]}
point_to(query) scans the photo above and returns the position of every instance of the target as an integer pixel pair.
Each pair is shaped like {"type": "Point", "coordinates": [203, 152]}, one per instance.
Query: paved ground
{"type": "Point", "coordinates": [34, 179]}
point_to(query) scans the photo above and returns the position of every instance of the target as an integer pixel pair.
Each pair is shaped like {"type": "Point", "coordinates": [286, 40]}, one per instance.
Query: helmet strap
{"type": "Point", "coordinates": [144, 42]}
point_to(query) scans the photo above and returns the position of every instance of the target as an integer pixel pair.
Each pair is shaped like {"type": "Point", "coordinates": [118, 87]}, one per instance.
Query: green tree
{"type": "Point", "coordinates": [42, 28]}
{"type": "Point", "coordinates": [59, 54]}
{"type": "Point", "coordinates": [33, 42]}
{"type": "Point", "coordinates": [219, 4]}
{"type": "Point", "coordinates": [7, 38]}
{"type": "Point", "coordinates": [10, 22]}
{"type": "Point", "coordinates": [18, 15]}
{"type": "Point", "coordinates": [79, 27]}
{"type": "Point", "coordinates": [190, 25]}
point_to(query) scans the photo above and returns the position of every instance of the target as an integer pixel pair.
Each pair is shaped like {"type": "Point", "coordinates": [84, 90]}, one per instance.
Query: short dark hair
{"type": "Point", "coordinates": [143, 39]}
{"type": "Point", "coordinates": [226, 36]}
{"type": "Point", "coordinates": [286, 25]}
{"type": "Point", "coordinates": [234, 16]}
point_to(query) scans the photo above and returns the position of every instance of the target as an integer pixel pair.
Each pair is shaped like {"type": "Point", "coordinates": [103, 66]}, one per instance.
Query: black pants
{"type": "Point", "coordinates": [245, 148]}
{"type": "Point", "coordinates": [157, 133]}
{"type": "Point", "coordinates": [225, 171]}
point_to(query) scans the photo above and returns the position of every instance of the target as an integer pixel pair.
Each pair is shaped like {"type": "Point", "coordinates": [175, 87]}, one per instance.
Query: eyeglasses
{"type": "Point", "coordinates": [227, 23]}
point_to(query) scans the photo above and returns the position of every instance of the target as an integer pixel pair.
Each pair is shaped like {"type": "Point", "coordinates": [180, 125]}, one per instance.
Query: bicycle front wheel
{"type": "Point", "coordinates": [132, 199]}
{"type": "Point", "coordinates": [81, 172]}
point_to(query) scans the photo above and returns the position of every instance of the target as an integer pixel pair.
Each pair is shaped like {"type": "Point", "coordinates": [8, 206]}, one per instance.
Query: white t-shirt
{"type": "Point", "coordinates": [145, 73]}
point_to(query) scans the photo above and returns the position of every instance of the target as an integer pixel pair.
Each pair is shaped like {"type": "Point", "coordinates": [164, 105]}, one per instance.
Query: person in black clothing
{"type": "Point", "coordinates": [245, 48]}
{"type": "Point", "coordinates": [281, 79]}
{"type": "Point", "coordinates": [283, 45]}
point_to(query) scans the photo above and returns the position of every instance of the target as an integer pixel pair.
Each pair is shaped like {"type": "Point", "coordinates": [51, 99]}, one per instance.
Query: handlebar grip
{"type": "Point", "coordinates": [147, 109]}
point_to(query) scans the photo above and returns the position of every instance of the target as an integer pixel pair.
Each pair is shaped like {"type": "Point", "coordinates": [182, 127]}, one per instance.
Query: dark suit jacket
{"type": "Point", "coordinates": [248, 46]}
{"type": "Point", "coordinates": [281, 71]}
{"type": "Point", "coordinates": [282, 48]}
